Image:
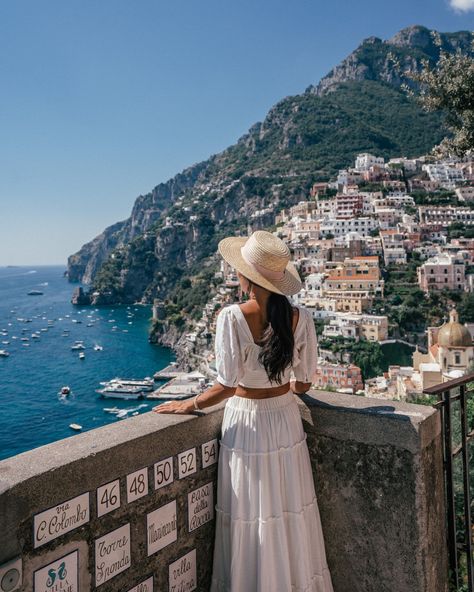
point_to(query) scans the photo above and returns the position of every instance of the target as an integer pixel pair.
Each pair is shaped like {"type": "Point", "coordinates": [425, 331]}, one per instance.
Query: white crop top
{"type": "Point", "coordinates": [237, 353]}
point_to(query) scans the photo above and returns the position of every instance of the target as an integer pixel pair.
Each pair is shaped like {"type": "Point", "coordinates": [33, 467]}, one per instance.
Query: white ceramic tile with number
{"type": "Point", "coordinates": [163, 471]}
{"type": "Point", "coordinates": [137, 485]}
{"type": "Point", "coordinates": [187, 463]}
{"type": "Point", "coordinates": [108, 497]}
{"type": "Point", "coordinates": [209, 453]}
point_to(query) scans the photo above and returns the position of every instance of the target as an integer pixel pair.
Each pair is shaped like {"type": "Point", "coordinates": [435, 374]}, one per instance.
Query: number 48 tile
{"type": "Point", "coordinates": [137, 485]}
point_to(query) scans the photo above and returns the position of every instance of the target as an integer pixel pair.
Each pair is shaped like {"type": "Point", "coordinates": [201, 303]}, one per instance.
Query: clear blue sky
{"type": "Point", "coordinates": [103, 99]}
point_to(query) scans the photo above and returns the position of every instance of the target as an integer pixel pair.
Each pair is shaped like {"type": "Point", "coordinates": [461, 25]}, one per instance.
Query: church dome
{"type": "Point", "coordinates": [453, 334]}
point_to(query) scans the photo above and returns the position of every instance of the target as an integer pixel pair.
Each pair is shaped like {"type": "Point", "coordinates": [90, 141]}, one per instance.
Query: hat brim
{"type": "Point", "coordinates": [230, 247]}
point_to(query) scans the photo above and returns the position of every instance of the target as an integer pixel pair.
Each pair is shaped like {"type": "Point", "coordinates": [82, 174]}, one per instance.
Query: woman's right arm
{"type": "Point", "coordinates": [209, 397]}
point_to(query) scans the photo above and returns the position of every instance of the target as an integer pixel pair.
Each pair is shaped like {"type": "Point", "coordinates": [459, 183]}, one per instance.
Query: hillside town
{"type": "Point", "coordinates": [352, 240]}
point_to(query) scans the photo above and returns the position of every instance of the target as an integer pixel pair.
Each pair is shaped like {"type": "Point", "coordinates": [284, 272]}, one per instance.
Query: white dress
{"type": "Point", "coordinates": [268, 534]}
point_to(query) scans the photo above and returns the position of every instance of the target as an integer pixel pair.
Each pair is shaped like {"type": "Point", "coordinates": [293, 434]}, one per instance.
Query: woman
{"type": "Point", "coordinates": [268, 530]}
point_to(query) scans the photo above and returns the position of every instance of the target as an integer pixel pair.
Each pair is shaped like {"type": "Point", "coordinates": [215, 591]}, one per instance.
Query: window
{"type": "Point", "coordinates": [457, 357]}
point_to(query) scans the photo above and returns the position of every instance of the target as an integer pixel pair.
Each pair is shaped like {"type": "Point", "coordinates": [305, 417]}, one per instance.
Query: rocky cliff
{"type": "Point", "coordinates": [373, 60]}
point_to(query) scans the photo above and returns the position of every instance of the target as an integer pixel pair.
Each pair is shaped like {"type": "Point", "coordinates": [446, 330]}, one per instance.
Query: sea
{"type": "Point", "coordinates": [32, 411]}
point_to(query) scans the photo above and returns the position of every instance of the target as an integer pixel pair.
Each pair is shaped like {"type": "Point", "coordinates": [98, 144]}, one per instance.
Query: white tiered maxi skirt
{"type": "Point", "coordinates": [268, 536]}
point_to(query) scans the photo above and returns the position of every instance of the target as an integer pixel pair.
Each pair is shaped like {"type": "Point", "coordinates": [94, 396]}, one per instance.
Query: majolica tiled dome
{"type": "Point", "coordinates": [453, 334]}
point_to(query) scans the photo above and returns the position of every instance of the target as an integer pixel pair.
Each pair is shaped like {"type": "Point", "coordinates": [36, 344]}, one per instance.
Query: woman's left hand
{"type": "Point", "coordinates": [182, 407]}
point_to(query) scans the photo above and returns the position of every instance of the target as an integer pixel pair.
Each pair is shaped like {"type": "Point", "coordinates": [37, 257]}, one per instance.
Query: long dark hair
{"type": "Point", "coordinates": [278, 341]}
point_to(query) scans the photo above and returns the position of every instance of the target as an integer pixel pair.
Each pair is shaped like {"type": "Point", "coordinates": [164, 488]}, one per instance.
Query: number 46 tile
{"type": "Point", "coordinates": [108, 497]}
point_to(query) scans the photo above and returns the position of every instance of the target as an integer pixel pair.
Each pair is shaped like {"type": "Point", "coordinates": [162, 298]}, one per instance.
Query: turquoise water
{"type": "Point", "coordinates": [32, 414]}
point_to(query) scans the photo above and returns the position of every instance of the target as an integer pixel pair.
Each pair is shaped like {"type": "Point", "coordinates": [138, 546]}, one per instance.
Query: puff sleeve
{"type": "Point", "coordinates": [227, 349]}
{"type": "Point", "coordinates": [305, 356]}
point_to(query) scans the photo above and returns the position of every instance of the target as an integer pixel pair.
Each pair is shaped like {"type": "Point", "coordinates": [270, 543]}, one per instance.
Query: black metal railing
{"type": "Point", "coordinates": [457, 416]}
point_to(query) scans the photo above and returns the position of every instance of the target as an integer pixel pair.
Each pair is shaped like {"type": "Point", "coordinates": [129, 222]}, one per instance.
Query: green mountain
{"type": "Point", "coordinates": [172, 233]}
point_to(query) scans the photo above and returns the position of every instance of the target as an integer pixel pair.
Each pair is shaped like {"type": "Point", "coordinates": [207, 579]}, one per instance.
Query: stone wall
{"type": "Point", "coordinates": [84, 505]}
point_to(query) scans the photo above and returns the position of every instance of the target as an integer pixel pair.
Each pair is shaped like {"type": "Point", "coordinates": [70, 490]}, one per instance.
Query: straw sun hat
{"type": "Point", "coordinates": [264, 259]}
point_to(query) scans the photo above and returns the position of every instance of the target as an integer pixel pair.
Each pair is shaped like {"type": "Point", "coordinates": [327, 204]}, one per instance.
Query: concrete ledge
{"type": "Point", "coordinates": [377, 469]}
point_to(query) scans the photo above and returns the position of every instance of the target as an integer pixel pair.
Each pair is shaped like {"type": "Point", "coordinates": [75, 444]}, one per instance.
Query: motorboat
{"type": "Point", "coordinates": [78, 346]}
{"type": "Point", "coordinates": [120, 392]}
{"type": "Point", "coordinates": [145, 384]}
{"type": "Point", "coordinates": [98, 347]}
{"type": "Point", "coordinates": [75, 426]}
{"type": "Point", "coordinates": [65, 390]}
{"type": "Point", "coordinates": [82, 355]}
{"type": "Point", "coordinates": [4, 353]}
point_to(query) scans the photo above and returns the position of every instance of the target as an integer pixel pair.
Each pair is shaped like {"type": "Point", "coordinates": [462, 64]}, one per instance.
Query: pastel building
{"type": "Point", "coordinates": [444, 271]}
{"type": "Point", "coordinates": [342, 226]}
{"type": "Point", "coordinates": [341, 377]}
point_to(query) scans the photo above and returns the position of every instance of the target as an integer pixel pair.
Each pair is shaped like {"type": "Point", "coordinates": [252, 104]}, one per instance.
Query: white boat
{"type": "Point", "coordinates": [65, 390]}
{"type": "Point", "coordinates": [4, 353]}
{"type": "Point", "coordinates": [98, 347]}
{"type": "Point", "coordinates": [75, 426]}
{"type": "Point", "coordinates": [145, 384]}
{"type": "Point", "coordinates": [82, 355]}
{"type": "Point", "coordinates": [117, 392]}
{"type": "Point", "coordinates": [78, 346]}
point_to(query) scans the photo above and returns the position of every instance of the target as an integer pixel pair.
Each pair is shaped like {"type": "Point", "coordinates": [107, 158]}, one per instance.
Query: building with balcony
{"type": "Point", "coordinates": [340, 377]}
{"type": "Point", "coordinates": [365, 160]}
{"type": "Point", "coordinates": [445, 215]}
{"type": "Point", "coordinates": [447, 176]}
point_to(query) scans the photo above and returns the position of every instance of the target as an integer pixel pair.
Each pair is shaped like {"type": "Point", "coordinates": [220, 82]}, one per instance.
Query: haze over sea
{"type": "Point", "coordinates": [31, 377]}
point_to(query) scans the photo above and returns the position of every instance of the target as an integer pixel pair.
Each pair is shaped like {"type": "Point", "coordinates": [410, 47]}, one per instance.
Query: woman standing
{"type": "Point", "coordinates": [268, 531]}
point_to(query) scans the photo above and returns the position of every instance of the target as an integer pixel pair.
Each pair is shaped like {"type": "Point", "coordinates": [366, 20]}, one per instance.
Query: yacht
{"type": "Point", "coordinates": [4, 353]}
{"type": "Point", "coordinates": [120, 392]}
{"type": "Point", "coordinates": [145, 384]}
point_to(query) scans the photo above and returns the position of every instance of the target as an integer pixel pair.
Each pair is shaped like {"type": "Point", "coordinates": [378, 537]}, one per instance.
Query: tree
{"type": "Point", "coordinates": [466, 308]}
{"type": "Point", "coordinates": [448, 86]}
